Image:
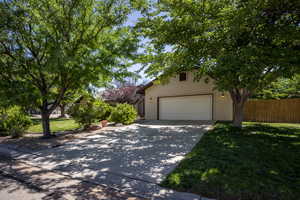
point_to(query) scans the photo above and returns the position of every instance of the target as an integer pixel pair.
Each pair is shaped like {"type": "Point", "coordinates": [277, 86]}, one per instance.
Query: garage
{"type": "Point", "coordinates": [195, 107]}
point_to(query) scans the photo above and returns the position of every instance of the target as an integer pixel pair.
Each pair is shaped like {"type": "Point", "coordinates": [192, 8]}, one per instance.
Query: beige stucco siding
{"type": "Point", "coordinates": [222, 106]}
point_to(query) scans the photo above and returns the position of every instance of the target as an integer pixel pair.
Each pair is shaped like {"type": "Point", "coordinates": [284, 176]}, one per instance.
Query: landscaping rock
{"type": "Point", "coordinates": [118, 124]}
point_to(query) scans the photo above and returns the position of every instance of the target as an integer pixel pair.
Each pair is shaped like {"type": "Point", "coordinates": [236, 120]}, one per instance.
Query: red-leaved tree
{"type": "Point", "coordinates": [127, 94]}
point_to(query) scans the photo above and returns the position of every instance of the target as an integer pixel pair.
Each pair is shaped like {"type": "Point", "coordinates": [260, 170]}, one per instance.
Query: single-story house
{"type": "Point", "coordinates": [182, 98]}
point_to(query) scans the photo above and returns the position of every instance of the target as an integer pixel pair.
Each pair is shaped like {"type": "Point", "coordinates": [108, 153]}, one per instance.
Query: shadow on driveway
{"type": "Point", "coordinates": [133, 158]}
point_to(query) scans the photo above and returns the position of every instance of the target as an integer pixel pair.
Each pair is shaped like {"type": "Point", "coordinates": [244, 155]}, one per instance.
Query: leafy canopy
{"type": "Point", "coordinates": [243, 45]}
{"type": "Point", "coordinates": [48, 47]}
{"type": "Point", "coordinates": [280, 89]}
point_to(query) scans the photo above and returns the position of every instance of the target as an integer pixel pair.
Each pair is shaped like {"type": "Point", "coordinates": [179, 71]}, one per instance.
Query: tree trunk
{"type": "Point", "coordinates": [46, 110]}
{"type": "Point", "coordinates": [46, 124]}
{"type": "Point", "coordinates": [239, 98]}
{"type": "Point", "coordinates": [62, 111]}
{"type": "Point", "coordinates": [238, 114]}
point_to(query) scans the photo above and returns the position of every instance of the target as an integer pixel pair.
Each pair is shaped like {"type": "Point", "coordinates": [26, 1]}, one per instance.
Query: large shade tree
{"type": "Point", "coordinates": [50, 47]}
{"type": "Point", "coordinates": [282, 88]}
{"type": "Point", "coordinates": [241, 45]}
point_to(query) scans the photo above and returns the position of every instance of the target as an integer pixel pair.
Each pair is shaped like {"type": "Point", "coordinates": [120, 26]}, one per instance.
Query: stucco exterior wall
{"type": "Point", "coordinates": [222, 106]}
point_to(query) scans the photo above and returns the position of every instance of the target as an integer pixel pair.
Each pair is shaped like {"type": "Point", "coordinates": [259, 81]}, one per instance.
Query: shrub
{"type": "Point", "coordinates": [89, 111]}
{"type": "Point", "coordinates": [14, 121]}
{"type": "Point", "coordinates": [123, 113]}
{"type": "Point", "coordinates": [103, 110]}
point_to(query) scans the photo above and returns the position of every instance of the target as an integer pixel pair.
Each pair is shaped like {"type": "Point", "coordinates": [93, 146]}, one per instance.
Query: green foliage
{"type": "Point", "coordinates": [123, 113]}
{"type": "Point", "coordinates": [259, 161]}
{"type": "Point", "coordinates": [281, 89]}
{"type": "Point", "coordinates": [89, 110]}
{"type": "Point", "coordinates": [51, 47]}
{"type": "Point", "coordinates": [242, 45]}
{"type": "Point", "coordinates": [103, 109]}
{"type": "Point", "coordinates": [71, 95]}
{"type": "Point", "coordinates": [14, 121]}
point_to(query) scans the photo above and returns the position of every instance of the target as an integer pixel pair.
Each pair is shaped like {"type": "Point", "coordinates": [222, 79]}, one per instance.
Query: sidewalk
{"type": "Point", "coordinates": [12, 189]}
{"type": "Point", "coordinates": [20, 181]}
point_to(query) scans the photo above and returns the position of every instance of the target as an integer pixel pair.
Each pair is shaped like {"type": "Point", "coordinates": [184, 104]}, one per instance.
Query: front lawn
{"type": "Point", "coordinates": [33, 141]}
{"type": "Point", "coordinates": [261, 161]}
{"type": "Point", "coordinates": [57, 124]}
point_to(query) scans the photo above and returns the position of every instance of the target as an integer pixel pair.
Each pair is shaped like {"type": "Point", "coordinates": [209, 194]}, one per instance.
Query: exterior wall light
{"type": "Point", "coordinates": [222, 95]}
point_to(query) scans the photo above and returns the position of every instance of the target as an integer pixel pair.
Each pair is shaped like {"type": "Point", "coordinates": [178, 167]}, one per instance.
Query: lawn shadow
{"type": "Point", "coordinates": [255, 162]}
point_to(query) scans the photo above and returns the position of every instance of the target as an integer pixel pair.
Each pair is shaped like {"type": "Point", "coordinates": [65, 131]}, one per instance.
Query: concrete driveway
{"type": "Point", "coordinates": [134, 158]}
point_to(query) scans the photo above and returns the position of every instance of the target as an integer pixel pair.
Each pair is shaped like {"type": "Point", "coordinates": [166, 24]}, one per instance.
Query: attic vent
{"type": "Point", "coordinates": [182, 76]}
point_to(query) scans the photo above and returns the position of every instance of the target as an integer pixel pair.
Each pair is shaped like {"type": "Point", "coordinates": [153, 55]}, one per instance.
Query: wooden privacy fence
{"type": "Point", "coordinates": [283, 110]}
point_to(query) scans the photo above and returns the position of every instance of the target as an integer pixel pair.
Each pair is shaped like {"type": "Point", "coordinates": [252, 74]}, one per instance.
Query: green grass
{"type": "Point", "coordinates": [260, 161]}
{"type": "Point", "coordinates": [287, 125]}
{"type": "Point", "coordinates": [59, 124]}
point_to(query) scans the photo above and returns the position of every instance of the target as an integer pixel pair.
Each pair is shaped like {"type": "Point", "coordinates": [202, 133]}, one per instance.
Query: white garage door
{"type": "Point", "coordinates": [186, 108]}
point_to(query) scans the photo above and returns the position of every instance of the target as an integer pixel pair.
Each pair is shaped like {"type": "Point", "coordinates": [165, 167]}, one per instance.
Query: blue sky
{"type": "Point", "coordinates": [132, 20]}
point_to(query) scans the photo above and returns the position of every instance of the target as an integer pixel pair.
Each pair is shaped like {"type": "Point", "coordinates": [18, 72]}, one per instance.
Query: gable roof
{"type": "Point", "coordinates": [151, 83]}
{"type": "Point", "coordinates": [143, 88]}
